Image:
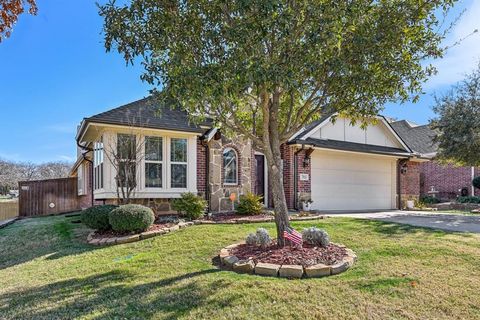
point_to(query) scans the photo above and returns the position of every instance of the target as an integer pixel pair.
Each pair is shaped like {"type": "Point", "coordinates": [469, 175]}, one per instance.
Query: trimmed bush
{"type": "Point", "coordinates": [429, 200]}
{"type": "Point", "coordinates": [476, 182]}
{"type": "Point", "coordinates": [315, 236]}
{"type": "Point", "coordinates": [131, 217]}
{"type": "Point", "coordinates": [263, 238]}
{"type": "Point", "coordinates": [468, 199]}
{"type": "Point", "coordinates": [190, 206]}
{"type": "Point", "coordinates": [97, 217]}
{"type": "Point", "coordinates": [250, 204]}
{"type": "Point", "coordinates": [251, 239]}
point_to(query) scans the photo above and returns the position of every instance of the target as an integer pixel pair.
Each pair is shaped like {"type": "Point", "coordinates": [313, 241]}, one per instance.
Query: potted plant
{"type": "Point", "coordinates": [307, 205]}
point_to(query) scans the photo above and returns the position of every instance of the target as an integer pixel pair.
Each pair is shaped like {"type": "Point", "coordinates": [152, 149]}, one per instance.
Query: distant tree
{"type": "Point", "coordinates": [9, 12]}
{"type": "Point", "coordinates": [264, 69]}
{"type": "Point", "coordinates": [458, 122]}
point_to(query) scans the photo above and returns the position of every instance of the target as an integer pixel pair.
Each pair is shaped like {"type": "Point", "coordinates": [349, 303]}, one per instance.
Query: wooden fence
{"type": "Point", "coordinates": [46, 197]}
{"type": "Point", "coordinates": [8, 210]}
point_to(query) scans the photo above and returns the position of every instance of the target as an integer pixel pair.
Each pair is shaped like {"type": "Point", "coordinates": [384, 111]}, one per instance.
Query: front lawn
{"type": "Point", "coordinates": [402, 272]}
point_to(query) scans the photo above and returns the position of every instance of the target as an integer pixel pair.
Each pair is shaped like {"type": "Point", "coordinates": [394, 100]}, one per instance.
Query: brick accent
{"type": "Point", "coordinates": [410, 182]}
{"type": "Point", "coordinates": [201, 168]}
{"type": "Point", "coordinates": [85, 201]}
{"type": "Point", "coordinates": [446, 179]}
{"type": "Point", "coordinates": [303, 187]}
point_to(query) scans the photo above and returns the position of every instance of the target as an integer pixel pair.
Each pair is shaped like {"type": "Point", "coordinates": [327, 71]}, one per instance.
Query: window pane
{"type": "Point", "coordinates": [178, 150]}
{"type": "Point", "coordinates": [179, 176]}
{"type": "Point", "coordinates": [230, 166]}
{"type": "Point", "coordinates": [153, 148]}
{"type": "Point", "coordinates": [153, 175]}
{"type": "Point", "coordinates": [126, 146]}
{"type": "Point", "coordinates": [127, 174]}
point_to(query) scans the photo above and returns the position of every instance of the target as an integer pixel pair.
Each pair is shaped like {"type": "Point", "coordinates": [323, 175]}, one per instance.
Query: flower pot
{"type": "Point", "coordinates": [306, 206]}
{"type": "Point", "coordinates": [410, 204]}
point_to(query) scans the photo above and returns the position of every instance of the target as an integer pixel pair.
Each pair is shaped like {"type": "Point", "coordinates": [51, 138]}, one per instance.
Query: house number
{"type": "Point", "coordinates": [304, 176]}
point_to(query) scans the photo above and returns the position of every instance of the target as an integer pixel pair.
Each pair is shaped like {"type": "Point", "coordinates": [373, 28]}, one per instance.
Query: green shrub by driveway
{"type": "Point", "coordinates": [97, 217]}
{"type": "Point", "coordinates": [131, 217]}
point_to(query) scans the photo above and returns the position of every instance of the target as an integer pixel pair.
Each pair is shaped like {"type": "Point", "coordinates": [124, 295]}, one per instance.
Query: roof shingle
{"type": "Point", "coordinates": [418, 138]}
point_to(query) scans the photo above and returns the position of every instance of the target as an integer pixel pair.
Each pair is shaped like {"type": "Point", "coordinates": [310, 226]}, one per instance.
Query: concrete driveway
{"type": "Point", "coordinates": [445, 221]}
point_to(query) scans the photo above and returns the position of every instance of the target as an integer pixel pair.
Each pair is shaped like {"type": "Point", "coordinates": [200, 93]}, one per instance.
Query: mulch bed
{"type": "Point", "coordinates": [110, 233]}
{"type": "Point", "coordinates": [306, 256]}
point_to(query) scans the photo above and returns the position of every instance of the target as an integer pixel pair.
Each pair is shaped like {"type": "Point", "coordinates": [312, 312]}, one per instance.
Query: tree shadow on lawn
{"type": "Point", "coordinates": [110, 295]}
{"type": "Point", "coordinates": [51, 237]}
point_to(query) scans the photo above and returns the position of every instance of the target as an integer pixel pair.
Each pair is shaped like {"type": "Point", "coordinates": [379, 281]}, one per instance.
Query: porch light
{"type": "Point", "coordinates": [403, 168]}
{"type": "Point", "coordinates": [306, 161]}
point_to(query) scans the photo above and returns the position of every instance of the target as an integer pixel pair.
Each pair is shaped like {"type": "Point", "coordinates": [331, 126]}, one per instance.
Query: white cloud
{"type": "Point", "coordinates": [464, 57]}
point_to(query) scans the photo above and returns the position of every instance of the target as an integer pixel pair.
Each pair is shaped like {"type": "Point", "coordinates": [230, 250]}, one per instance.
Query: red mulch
{"type": "Point", "coordinates": [110, 233]}
{"type": "Point", "coordinates": [233, 216]}
{"type": "Point", "coordinates": [306, 256]}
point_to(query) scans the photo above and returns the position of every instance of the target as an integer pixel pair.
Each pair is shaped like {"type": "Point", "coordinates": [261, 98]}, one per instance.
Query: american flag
{"type": "Point", "coordinates": [293, 235]}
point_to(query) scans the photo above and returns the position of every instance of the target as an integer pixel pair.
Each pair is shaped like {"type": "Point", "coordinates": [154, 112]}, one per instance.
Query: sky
{"type": "Point", "coordinates": [55, 72]}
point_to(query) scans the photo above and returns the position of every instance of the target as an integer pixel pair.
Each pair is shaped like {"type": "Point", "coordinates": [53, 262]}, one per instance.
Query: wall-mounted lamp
{"type": "Point", "coordinates": [403, 168]}
{"type": "Point", "coordinates": [307, 159]}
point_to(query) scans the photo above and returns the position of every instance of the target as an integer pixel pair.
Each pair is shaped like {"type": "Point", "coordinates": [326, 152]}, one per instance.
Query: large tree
{"type": "Point", "coordinates": [458, 122]}
{"type": "Point", "coordinates": [265, 68]}
{"type": "Point", "coordinates": [9, 12]}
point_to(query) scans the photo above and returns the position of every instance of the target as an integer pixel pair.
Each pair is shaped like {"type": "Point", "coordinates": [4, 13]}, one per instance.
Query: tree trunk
{"type": "Point", "coordinates": [275, 172]}
{"type": "Point", "coordinates": [279, 201]}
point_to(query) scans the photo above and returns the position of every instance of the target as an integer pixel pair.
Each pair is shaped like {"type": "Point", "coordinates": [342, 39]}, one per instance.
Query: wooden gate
{"type": "Point", "coordinates": [45, 197]}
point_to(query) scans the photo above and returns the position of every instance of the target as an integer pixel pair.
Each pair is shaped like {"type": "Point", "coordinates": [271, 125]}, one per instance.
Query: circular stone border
{"type": "Point", "coordinates": [231, 262]}
{"type": "Point", "coordinates": [134, 237]}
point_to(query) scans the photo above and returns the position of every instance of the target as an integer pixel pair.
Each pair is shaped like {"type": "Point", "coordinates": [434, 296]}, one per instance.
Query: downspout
{"type": "Point", "coordinates": [91, 168]}
{"type": "Point", "coordinates": [473, 176]}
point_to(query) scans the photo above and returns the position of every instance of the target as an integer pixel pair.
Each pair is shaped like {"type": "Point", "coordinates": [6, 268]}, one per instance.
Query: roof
{"type": "Point", "coordinates": [313, 124]}
{"type": "Point", "coordinates": [351, 146]}
{"type": "Point", "coordinates": [148, 113]}
{"type": "Point", "coordinates": [418, 138]}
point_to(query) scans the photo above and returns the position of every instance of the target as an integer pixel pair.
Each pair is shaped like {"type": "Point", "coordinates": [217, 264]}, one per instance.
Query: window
{"type": "Point", "coordinates": [230, 164]}
{"type": "Point", "coordinates": [153, 162]}
{"type": "Point", "coordinates": [98, 165]}
{"type": "Point", "coordinates": [126, 158]}
{"type": "Point", "coordinates": [178, 163]}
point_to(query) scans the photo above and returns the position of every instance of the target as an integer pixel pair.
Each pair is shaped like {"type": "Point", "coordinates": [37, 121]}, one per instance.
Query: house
{"type": "Point", "coordinates": [444, 181]}
{"type": "Point", "coordinates": [337, 165]}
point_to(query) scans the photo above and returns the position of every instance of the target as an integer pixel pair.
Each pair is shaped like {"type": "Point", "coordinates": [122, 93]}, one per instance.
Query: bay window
{"type": "Point", "coordinates": [126, 158]}
{"type": "Point", "coordinates": [98, 158]}
{"type": "Point", "coordinates": [178, 163]}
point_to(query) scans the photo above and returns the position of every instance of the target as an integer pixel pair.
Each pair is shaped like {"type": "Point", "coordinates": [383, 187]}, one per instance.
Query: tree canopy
{"type": "Point", "coordinates": [266, 68]}
{"type": "Point", "coordinates": [9, 12]}
{"type": "Point", "coordinates": [458, 122]}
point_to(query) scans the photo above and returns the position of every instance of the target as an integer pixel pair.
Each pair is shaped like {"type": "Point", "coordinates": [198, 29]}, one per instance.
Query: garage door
{"type": "Point", "coordinates": [343, 181]}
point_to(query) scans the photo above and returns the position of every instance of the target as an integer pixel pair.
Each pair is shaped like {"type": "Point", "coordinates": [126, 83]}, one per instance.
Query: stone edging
{"type": "Point", "coordinates": [231, 262]}
{"type": "Point", "coordinates": [134, 237]}
{"type": "Point", "coordinates": [269, 219]}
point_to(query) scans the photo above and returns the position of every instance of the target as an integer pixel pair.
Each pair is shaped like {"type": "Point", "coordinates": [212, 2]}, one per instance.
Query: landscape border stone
{"type": "Point", "coordinates": [134, 237]}
{"type": "Point", "coordinates": [232, 263]}
{"type": "Point", "coordinates": [244, 220]}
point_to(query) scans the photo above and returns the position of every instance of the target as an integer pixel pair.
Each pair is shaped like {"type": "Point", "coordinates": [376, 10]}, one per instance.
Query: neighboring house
{"type": "Point", "coordinates": [444, 181]}
{"type": "Point", "coordinates": [335, 164]}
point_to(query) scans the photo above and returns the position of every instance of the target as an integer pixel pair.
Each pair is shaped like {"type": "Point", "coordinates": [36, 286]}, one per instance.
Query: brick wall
{"type": "Point", "coordinates": [446, 179]}
{"type": "Point", "coordinates": [85, 201]}
{"type": "Point", "coordinates": [303, 187]}
{"type": "Point", "coordinates": [410, 182]}
{"type": "Point", "coordinates": [201, 168]}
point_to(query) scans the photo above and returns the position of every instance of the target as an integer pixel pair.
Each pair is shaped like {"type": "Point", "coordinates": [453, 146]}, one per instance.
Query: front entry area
{"type": "Point", "coordinates": [261, 181]}
{"type": "Point", "coordinates": [352, 181]}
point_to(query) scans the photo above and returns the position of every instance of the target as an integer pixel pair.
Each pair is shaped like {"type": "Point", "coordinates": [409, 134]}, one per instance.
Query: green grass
{"type": "Point", "coordinates": [403, 272]}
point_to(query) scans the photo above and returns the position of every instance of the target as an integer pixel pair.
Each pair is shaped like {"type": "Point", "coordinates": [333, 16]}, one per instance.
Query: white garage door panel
{"type": "Point", "coordinates": [342, 181]}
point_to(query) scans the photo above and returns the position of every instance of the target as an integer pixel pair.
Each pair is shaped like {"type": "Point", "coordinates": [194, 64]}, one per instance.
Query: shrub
{"type": "Point", "coordinates": [263, 239]}
{"type": "Point", "coordinates": [468, 199]}
{"type": "Point", "coordinates": [97, 217]}
{"type": "Point", "coordinates": [131, 217]}
{"type": "Point", "coordinates": [429, 200]}
{"type": "Point", "coordinates": [250, 204]}
{"type": "Point", "coordinates": [189, 205]}
{"type": "Point", "coordinates": [476, 182]}
{"type": "Point", "coordinates": [315, 236]}
{"type": "Point", "coordinates": [251, 239]}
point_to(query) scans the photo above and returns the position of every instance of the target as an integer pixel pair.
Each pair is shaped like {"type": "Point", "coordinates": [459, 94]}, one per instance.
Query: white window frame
{"type": "Point", "coordinates": [236, 167]}
{"type": "Point", "coordinates": [170, 163]}
{"type": "Point", "coordinates": [98, 162]}
{"type": "Point", "coordinates": [80, 180]}
{"type": "Point", "coordinates": [162, 162]}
